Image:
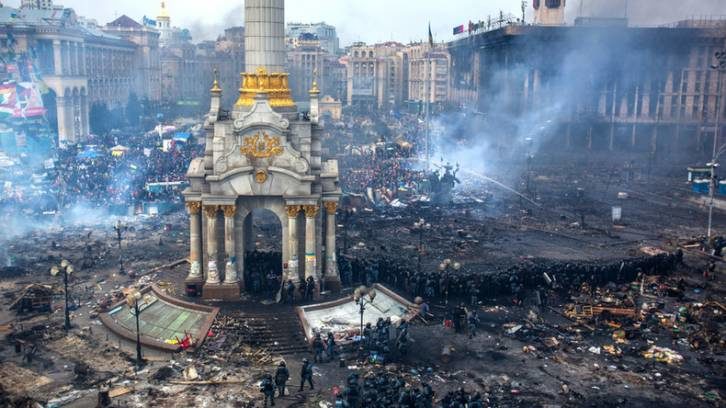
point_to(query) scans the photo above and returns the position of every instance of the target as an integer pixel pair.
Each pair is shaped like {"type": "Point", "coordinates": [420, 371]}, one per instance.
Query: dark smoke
{"type": "Point", "coordinates": [210, 30]}
{"type": "Point", "coordinates": [646, 12]}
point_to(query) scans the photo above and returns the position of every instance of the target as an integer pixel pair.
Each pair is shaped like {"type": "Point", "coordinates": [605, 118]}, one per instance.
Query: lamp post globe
{"type": "Point", "coordinates": [66, 268]}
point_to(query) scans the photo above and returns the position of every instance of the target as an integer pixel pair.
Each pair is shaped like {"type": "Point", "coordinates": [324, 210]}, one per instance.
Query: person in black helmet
{"type": "Point", "coordinates": [306, 374]}
{"type": "Point", "coordinates": [267, 387]}
{"type": "Point", "coordinates": [281, 376]}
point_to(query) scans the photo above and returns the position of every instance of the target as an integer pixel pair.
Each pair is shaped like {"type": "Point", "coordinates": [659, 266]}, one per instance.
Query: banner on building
{"type": "Point", "coordinates": [149, 22]}
{"type": "Point", "coordinates": [8, 100]}
{"type": "Point", "coordinates": [29, 101]}
{"type": "Point", "coordinates": [20, 100]}
{"type": "Point", "coordinates": [363, 85]}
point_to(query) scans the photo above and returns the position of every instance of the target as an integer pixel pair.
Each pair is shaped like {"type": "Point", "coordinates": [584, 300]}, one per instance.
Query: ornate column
{"type": "Point", "coordinates": [311, 212]}
{"type": "Point", "coordinates": [332, 278]}
{"type": "Point", "coordinates": [195, 243]}
{"type": "Point", "coordinates": [73, 50]}
{"type": "Point", "coordinates": [212, 272]}
{"type": "Point", "coordinates": [293, 263]}
{"type": "Point", "coordinates": [57, 57]}
{"type": "Point", "coordinates": [230, 270]}
{"type": "Point", "coordinates": [61, 104]}
{"type": "Point", "coordinates": [83, 59]}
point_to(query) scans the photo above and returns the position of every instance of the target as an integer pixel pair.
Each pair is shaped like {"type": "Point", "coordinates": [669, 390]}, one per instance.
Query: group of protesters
{"type": "Point", "coordinates": [472, 287]}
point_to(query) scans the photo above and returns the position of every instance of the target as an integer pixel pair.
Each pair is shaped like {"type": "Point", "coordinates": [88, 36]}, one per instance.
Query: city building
{"type": "Point", "coordinates": [306, 61]}
{"type": "Point", "coordinates": [163, 24]}
{"type": "Point", "coordinates": [262, 158]}
{"type": "Point", "coordinates": [37, 4]}
{"type": "Point", "coordinates": [146, 60]}
{"type": "Point", "coordinates": [184, 62]}
{"type": "Point", "coordinates": [597, 84]}
{"type": "Point", "coordinates": [428, 73]}
{"type": "Point", "coordinates": [331, 107]}
{"type": "Point", "coordinates": [377, 75]}
{"type": "Point", "coordinates": [73, 63]}
{"type": "Point", "coordinates": [325, 33]}
{"type": "Point", "coordinates": [231, 50]}
{"type": "Point", "coordinates": [549, 12]}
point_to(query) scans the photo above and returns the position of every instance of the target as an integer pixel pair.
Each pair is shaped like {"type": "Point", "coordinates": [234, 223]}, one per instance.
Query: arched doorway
{"type": "Point", "coordinates": [262, 263]}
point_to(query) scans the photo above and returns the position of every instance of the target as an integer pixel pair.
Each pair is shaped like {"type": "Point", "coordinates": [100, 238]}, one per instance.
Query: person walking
{"type": "Point", "coordinates": [306, 374]}
{"type": "Point", "coordinates": [281, 376]}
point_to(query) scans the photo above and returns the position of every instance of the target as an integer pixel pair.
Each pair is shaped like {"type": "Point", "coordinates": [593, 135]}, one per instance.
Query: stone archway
{"type": "Point", "coordinates": [262, 265]}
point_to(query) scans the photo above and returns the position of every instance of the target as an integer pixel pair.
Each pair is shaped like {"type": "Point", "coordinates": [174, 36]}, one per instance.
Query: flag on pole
{"type": "Point", "coordinates": [431, 36]}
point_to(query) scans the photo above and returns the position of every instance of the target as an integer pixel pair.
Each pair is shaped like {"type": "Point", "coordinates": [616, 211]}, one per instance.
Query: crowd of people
{"type": "Point", "coordinates": [123, 179]}
{"type": "Point", "coordinates": [540, 278]}
{"type": "Point", "coordinates": [91, 175]}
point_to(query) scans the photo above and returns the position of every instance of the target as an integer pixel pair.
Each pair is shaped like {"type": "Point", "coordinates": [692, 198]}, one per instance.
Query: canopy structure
{"type": "Point", "coordinates": [89, 152]}
{"type": "Point", "coordinates": [119, 150]}
{"type": "Point", "coordinates": [182, 137]}
{"type": "Point", "coordinates": [164, 321]}
{"type": "Point", "coordinates": [342, 317]}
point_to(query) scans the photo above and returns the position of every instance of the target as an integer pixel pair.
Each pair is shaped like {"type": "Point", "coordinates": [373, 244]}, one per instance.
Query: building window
{"type": "Point", "coordinates": [553, 3]}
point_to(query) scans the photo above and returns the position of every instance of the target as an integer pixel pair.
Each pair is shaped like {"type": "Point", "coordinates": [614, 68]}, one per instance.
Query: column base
{"type": "Point", "coordinates": [193, 286]}
{"type": "Point", "coordinates": [226, 292]}
{"type": "Point", "coordinates": [332, 284]}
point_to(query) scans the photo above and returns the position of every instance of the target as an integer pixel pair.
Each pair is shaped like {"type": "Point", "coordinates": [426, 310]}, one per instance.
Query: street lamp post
{"type": "Point", "coordinates": [67, 269]}
{"type": "Point", "coordinates": [445, 267]}
{"type": "Point", "coordinates": [132, 300]}
{"type": "Point", "coordinates": [420, 226]}
{"type": "Point", "coordinates": [359, 295]}
{"type": "Point", "coordinates": [720, 66]}
{"type": "Point", "coordinates": [120, 229]}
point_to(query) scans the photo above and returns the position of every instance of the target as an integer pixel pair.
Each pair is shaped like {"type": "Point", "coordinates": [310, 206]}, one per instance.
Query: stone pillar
{"type": "Point", "coordinates": [61, 105]}
{"type": "Point", "coordinates": [66, 51]}
{"type": "Point", "coordinates": [212, 273]}
{"type": "Point", "coordinates": [195, 242]}
{"type": "Point", "coordinates": [82, 58]}
{"type": "Point", "coordinates": [293, 269]}
{"type": "Point", "coordinates": [73, 53]}
{"type": "Point", "coordinates": [332, 278]}
{"type": "Point", "coordinates": [311, 212]}
{"type": "Point", "coordinates": [57, 58]}
{"type": "Point", "coordinates": [85, 120]}
{"type": "Point", "coordinates": [265, 35]}
{"type": "Point", "coordinates": [230, 270]}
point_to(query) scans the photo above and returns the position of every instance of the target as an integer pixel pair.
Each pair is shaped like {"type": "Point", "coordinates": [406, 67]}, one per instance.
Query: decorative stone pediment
{"type": "Point", "coordinates": [261, 113]}
{"type": "Point", "coordinates": [260, 147]}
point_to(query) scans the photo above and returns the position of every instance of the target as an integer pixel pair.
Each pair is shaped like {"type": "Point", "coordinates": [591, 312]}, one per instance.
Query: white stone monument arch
{"type": "Point", "coordinates": [261, 154]}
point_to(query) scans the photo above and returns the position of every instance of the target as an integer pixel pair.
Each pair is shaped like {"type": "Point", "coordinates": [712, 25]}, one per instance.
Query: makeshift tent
{"type": "Point", "coordinates": [118, 150]}
{"type": "Point", "coordinates": [89, 152]}
{"type": "Point", "coordinates": [182, 137]}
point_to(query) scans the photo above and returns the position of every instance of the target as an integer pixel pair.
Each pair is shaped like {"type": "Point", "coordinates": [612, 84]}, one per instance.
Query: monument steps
{"type": "Point", "coordinates": [276, 329]}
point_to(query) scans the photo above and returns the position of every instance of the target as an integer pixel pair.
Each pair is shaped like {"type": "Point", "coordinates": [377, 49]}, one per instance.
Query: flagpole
{"type": "Point", "coordinates": [427, 78]}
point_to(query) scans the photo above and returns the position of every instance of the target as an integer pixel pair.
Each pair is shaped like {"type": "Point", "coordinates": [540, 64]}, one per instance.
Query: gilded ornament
{"type": "Point", "coordinates": [330, 206]}
{"type": "Point", "coordinates": [229, 210]}
{"type": "Point", "coordinates": [261, 146]}
{"type": "Point", "coordinates": [211, 210]}
{"type": "Point", "coordinates": [311, 210]}
{"type": "Point", "coordinates": [293, 210]}
{"type": "Point", "coordinates": [260, 176]}
{"type": "Point", "coordinates": [275, 85]}
{"type": "Point", "coordinates": [193, 207]}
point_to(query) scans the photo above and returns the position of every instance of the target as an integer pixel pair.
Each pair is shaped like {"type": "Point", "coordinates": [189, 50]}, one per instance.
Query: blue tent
{"type": "Point", "coordinates": [88, 153]}
{"type": "Point", "coordinates": [182, 136]}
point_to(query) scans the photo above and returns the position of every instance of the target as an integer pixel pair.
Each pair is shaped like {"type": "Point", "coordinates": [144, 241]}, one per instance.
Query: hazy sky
{"type": "Point", "coordinates": [379, 20]}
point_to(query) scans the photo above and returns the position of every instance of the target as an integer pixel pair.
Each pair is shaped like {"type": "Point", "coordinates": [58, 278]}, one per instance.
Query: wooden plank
{"type": "Point", "coordinates": [117, 392]}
